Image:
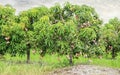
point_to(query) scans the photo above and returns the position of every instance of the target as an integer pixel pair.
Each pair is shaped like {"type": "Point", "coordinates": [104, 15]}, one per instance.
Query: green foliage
{"type": "Point", "coordinates": [55, 37]}
{"type": "Point", "coordinates": [86, 14]}
{"type": "Point", "coordinates": [32, 15]}
{"type": "Point", "coordinates": [6, 19]}
{"type": "Point", "coordinates": [14, 36]}
{"type": "Point", "coordinates": [110, 35]}
{"type": "Point", "coordinates": [87, 34]}
{"type": "Point", "coordinates": [56, 12]}
{"type": "Point", "coordinates": [67, 30]}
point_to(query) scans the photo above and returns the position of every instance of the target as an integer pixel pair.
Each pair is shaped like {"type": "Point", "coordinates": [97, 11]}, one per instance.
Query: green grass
{"type": "Point", "coordinates": [37, 66]}
{"type": "Point", "coordinates": [42, 65]}
{"type": "Point", "coordinates": [105, 62]}
{"type": "Point", "coordinates": [113, 63]}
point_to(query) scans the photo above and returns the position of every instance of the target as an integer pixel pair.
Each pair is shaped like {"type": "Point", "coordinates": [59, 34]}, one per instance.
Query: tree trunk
{"type": "Point", "coordinates": [28, 55]}
{"type": "Point", "coordinates": [113, 54]}
{"type": "Point", "coordinates": [28, 52]}
{"type": "Point", "coordinates": [71, 54]}
{"type": "Point", "coordinates": [70, 59]}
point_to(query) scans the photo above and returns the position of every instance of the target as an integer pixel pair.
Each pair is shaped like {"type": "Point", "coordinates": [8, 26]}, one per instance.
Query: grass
{"type": "Point", "coordinates": [19, 69]}
{"type": "Point", "coordinates": [42, 65]}
{"type": "Point", "coordinates": [38, 65]}
{"type": "Point", "coordinates": [105, 62]}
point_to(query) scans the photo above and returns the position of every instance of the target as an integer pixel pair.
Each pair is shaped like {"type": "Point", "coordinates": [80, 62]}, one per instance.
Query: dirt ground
{"type": "Point", "coordinates": [86, 70]}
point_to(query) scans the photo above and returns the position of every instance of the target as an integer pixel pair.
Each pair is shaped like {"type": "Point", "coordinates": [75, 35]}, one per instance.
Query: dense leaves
{"type": "Point", "coordinates": [70, 30]}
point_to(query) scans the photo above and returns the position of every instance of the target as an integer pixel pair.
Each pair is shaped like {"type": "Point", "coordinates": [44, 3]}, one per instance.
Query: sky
{"type": "Point", "coordinates": [106, 9]}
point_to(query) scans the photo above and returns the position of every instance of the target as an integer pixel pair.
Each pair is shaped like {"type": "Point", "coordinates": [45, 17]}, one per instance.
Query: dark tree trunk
{"type": "Point", "coordinates": [28, 55]}
{"type": "Point", "coordinates": [70, 59]}
{"type": "Point", "coordinates": [28, 52]}
{"type": "Point", "coordinates": [71, 54]}
{"type": "Point", "coordinates": [113, 54]}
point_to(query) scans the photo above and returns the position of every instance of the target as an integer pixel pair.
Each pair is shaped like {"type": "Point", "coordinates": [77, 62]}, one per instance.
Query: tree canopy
{"type": "Point", "coordinates": [66, 30]}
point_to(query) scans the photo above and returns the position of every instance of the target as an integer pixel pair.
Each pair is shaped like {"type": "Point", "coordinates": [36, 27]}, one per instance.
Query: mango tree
{"type": "Point", "coordinates": [55, 38]}
{"type": "Point", "coordinates": [27, 19]}
{"type": "Point", "coordinates": [7, 17]}
{"type": "Point", "coordinates": [88, 23]}
{"type": "Point", "coordinates": [65, 38]}
{"type": "Point", "coordinates": [15, 39]}
{"type": "Point", "coordinates": [110, 34]}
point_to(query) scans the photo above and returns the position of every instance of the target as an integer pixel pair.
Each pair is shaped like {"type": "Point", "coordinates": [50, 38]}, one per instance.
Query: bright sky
{"type": "Point", "coordinates": [105, 8]}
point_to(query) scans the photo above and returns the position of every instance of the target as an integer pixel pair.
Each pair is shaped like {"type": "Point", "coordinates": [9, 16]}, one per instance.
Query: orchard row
{"type": "Point", "coordinates": [71, 30]}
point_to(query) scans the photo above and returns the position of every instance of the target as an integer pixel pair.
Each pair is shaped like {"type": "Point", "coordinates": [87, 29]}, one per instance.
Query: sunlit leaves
{"type": "Point", "coordinates": [59, 29]}
{"type": "Point", "coordinates": [85, 13]}
{"type": "Point", "coordinates": [110, 36]}
{"type": "Point", "coordinates": [87, 34]}
{"type": "Point", "coordinates": [6, 15]}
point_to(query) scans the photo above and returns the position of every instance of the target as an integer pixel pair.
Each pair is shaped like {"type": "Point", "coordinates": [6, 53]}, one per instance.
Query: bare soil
{"type": "Point", "coordinates": [86, 70]}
